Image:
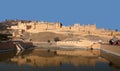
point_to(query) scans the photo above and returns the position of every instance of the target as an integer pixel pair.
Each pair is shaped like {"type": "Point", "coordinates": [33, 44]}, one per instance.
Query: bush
{"type": "Point", "coordinates": [48, 41]}
{"type": "Point", "coordinates": [4, 37]}
{"type": "Point", "coordinates": [56, 39]}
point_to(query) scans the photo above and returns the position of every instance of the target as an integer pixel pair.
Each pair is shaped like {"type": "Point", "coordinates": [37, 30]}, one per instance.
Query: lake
{"type": "Point", "coordinates": [46, 60]}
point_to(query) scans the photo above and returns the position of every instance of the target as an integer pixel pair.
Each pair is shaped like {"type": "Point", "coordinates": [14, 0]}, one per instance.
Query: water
{"type": "Point", "coordinates": [45, 60]}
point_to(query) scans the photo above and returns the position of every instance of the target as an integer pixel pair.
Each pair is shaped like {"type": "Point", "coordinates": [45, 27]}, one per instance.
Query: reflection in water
{"type": "Point", "coordinates": [42, 59]}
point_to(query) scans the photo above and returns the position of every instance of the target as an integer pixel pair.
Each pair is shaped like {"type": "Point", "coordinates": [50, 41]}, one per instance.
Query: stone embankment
{"type": "Point", "coordinates": [85, 44]}
{"type": "Point", "coordinates": [112, 49]}
{"type": "Point", "coordinates": [82, 43]}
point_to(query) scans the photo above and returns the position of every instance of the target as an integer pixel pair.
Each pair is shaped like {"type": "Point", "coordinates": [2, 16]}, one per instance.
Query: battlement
{"type": "Point", "coordinates": [35, 25]}
{"type": "Point", "coordinates": [40, 26]}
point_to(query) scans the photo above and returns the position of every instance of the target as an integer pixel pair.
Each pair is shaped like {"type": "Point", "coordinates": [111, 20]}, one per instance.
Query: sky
{"type": "Point", "coordinates": [103, 13]}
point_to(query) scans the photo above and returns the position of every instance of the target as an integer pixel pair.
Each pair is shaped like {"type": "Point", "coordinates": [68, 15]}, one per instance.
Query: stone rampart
{"type": "Point", "coordinates": [36, 27]}
{"type": "Point", "coordinates": [82, 43]}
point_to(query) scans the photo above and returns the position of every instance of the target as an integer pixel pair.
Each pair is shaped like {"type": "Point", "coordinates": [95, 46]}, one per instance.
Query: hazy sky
{"type": "Point", "coordinates": [105, 13]}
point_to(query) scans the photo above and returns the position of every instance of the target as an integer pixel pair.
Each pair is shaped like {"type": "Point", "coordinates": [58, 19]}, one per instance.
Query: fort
{"type": "Point", "coordinates": [75, 35]}
{"type": "Point", "coordinates": [57, 27]}
{"type": "Point", "coordinates": [84, 44]}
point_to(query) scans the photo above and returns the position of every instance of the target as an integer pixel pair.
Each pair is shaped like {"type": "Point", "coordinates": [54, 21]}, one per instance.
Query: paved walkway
{"type": "Point", "coordinates": [111, 49]}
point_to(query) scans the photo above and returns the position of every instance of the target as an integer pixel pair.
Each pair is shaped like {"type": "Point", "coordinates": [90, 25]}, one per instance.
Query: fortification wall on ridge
{"type": "Point", "coordinates": [36, 27]}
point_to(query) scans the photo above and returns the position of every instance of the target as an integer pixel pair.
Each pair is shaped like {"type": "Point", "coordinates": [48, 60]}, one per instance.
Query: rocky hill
{"type": "Point", "coordinates": [8, 23]}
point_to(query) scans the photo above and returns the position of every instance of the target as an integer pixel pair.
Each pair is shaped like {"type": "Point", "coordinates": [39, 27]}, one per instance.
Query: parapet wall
{"type": "Point", "coordinates": [36, 27]}
{"type": "Point", "coordinates": [85, 44]}
{"type": "Point", "coordinates": [82, 43]}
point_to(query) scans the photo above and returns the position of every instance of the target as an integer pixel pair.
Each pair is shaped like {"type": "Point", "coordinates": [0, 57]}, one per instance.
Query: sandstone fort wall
{"type": "Point", "coordinates": [57, 27]}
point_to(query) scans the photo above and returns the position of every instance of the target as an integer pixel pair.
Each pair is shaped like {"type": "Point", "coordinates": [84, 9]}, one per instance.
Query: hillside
{"type": "Point", "coordinates": [77, 34]}
{"type": "Point", "coordinates": [8, 23]}
{"type": "Point", "coordinates": [43, 36]}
